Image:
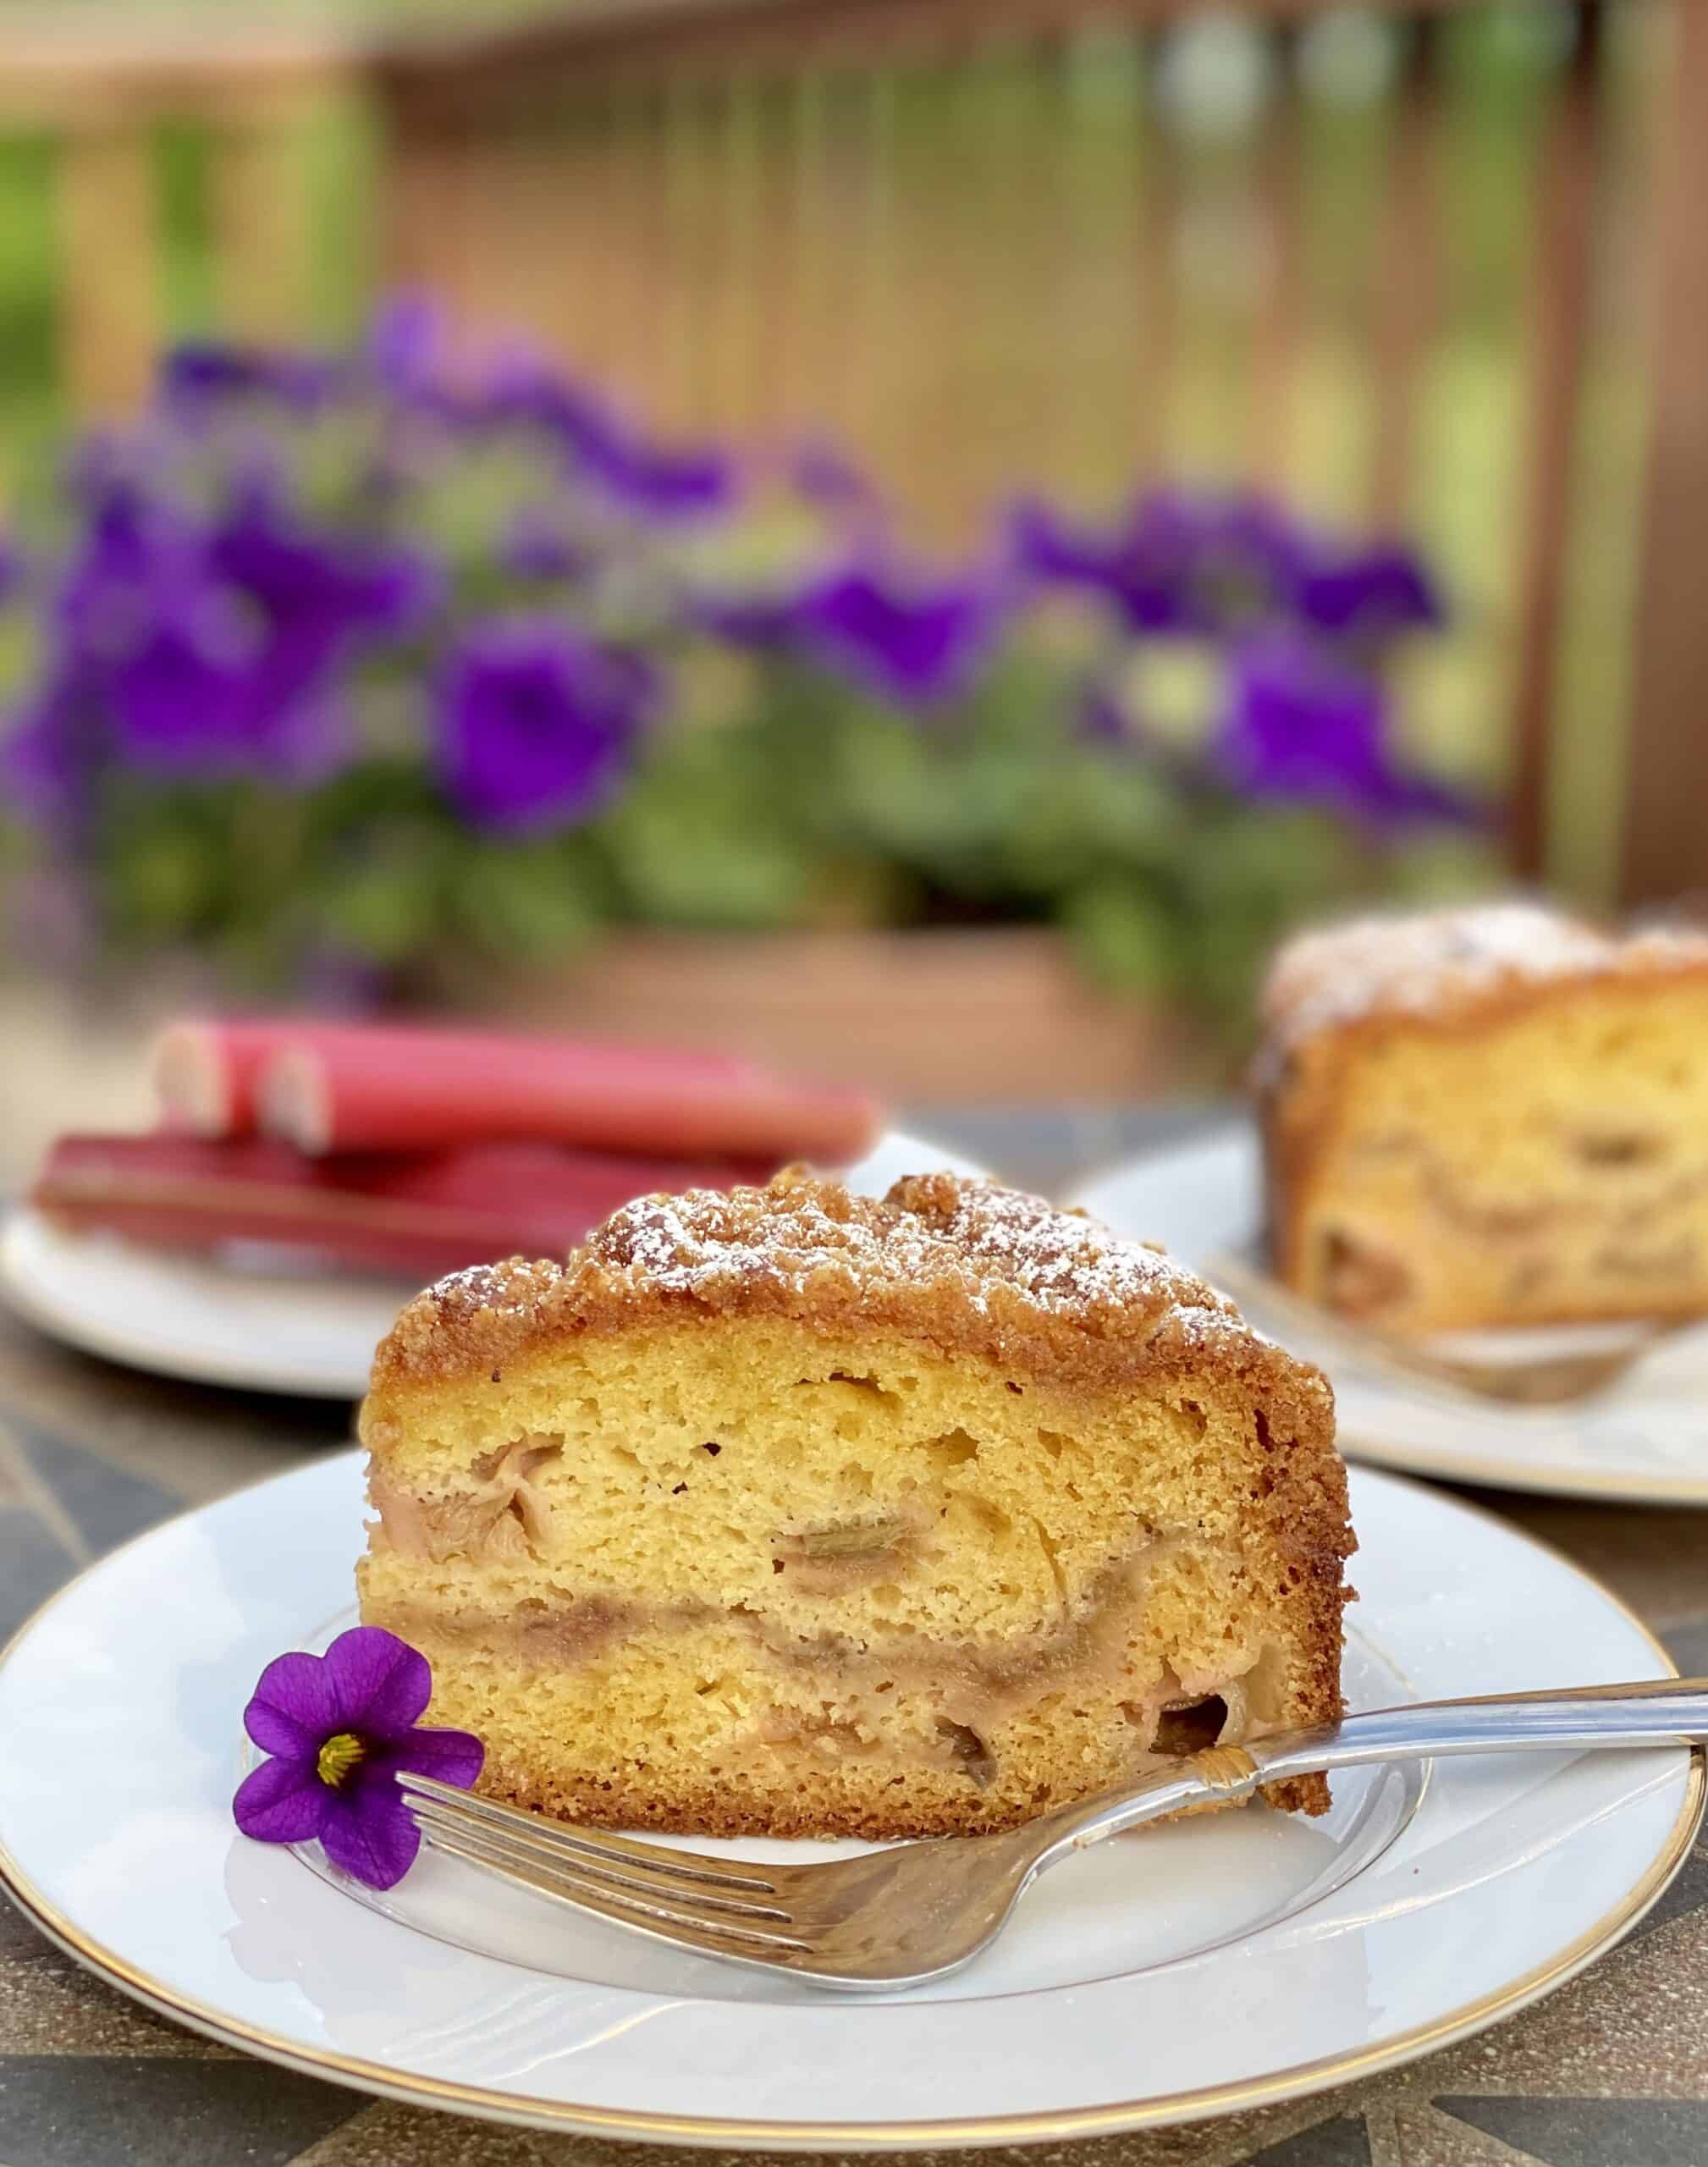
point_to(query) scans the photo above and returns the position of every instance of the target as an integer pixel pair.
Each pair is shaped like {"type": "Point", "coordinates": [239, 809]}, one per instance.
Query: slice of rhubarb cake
{"type": "Point", "coordinates": [791, 1512]}
{"type": "Point", "coordinates": [1490, 1116]}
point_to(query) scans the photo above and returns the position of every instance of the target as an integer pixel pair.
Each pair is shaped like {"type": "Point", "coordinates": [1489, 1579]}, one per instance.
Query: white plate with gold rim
{"type": "Point", "coordinates": [243, 1320]}
{"type": "Point", "coordinates": [1644, 1441]}
{"type": "Point", "coordinates": [1219, 1963]}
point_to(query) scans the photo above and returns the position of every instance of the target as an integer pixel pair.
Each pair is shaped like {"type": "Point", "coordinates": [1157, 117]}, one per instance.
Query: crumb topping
{"type": "Point", "coordinates": [1434, 963]}
{"type": "Point", "coordinates": [957, 1262]}
{"type": "Point", "coordinates": [928, 1229]}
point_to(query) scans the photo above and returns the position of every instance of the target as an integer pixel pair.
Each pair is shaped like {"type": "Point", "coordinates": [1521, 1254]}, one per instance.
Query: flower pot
{"type": "Point", "coordinates": [947, 1016]}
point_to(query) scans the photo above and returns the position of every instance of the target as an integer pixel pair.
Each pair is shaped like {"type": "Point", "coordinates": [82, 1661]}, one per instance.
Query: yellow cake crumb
{"type": "Point", "coordinates": [795, 1512]}
{"type": "Point", "coordinates": [1488, 1117]}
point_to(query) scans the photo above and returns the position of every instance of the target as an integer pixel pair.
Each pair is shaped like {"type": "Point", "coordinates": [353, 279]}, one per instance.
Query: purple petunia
{"type": "Point", "coordinates": [1170, 563]}
{"type": "Point", "coordinates": [661, 481]}
{"type": "Point", "coordinates": [650, 481]}
{"type": "Point", "coordinates": [535, 724]}
{"type": "Point", "coordinates": [1209, 566]}
{"type": "Point", "coordinates": [1368, 594]}
{"type": "Point", "coordinates": [49, 755]}
{"type": "Point", "coordinates": [214, 649]}
{"type": "Point", "coordinates": [201, 694]}
{"type": "Point", "coordinates": [539, 544]}
{"type": "Point", "coordinates": [1302, 726]}
{"type": "Point", "coordinates": [913, 641]}
{"type": "Point", "coordinates": [316, 591]}
{"type": "Point", "coordinates": [405, 341]}
{"type": "Point", "coordinates": [339, 1728]}
{"type": "Point", "coordinates": [201, 373]}
{"type": "Point", "coordinates": [827, 477]}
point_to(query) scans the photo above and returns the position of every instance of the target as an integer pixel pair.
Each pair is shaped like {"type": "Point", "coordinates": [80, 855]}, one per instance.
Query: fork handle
{"type": "Point", "coordinates": [1654, 1711]}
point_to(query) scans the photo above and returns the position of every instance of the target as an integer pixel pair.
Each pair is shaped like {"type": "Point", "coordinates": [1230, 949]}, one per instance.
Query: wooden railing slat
{"type": "Point", "coordinates": [1665, 815]}
{"type": "Point", "coordinates": [1408, 271]}
{"type": "Point", "coordinates": [1565, 241]}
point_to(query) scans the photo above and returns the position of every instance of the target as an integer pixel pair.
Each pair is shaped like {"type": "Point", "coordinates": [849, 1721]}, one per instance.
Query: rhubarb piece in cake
{"type": "Point", "coordinates": [793, 1512]}
{"type": "Point", "coordinates": [1489, 1115]}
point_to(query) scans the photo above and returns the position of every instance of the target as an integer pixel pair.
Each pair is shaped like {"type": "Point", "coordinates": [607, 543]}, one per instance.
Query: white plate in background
{"type": "Point", "coordinates": [1218, 1963]}
{"type": "Point", "coordinates": [1644, 1441]}
{"type": "Point", "coordinates": [222, 1323]}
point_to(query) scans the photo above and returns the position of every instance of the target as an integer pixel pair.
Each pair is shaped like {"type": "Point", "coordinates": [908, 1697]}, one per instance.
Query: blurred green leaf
{"type": "Point", "coordinates": [1126, 937]}
{"type": "Point", "coordinates": [533, 902]}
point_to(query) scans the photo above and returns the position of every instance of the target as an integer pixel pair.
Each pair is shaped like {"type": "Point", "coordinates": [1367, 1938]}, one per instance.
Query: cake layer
{"type": "Point", "coordinates": [722, 1568]}
{"type": "Point", "coordinates": [706, 1726]}
{"type": "Point", "coordinates": [746, 1587]}
{"type": "Point", "coordinates": [1488, 1144]}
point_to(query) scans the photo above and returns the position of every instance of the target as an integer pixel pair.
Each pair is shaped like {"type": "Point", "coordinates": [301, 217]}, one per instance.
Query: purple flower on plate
{"type": "Point", "coordinates": [910, 640]}
{"type": "Point", "coordinates": [535, 724]}
{"type": "Point", "coordinates": [339, 1728]}
{"type": "Point", "coordinates": [1302, 726]}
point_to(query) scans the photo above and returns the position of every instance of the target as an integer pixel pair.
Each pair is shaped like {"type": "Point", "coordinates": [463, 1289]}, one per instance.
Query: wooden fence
{"type": "Point", "coordinates": [1443, 270]}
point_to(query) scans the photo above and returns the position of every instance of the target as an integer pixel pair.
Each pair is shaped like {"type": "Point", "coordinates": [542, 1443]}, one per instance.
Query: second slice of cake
{"type": "Point", "coordinates": [794, 1512]}
{"type": "Point", "coordinates": [1490, 1116]}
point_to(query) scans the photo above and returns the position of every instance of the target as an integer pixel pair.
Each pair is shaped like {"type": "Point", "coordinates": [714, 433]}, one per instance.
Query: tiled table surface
{"type": "Point", "coordinates": [1611, 2072]}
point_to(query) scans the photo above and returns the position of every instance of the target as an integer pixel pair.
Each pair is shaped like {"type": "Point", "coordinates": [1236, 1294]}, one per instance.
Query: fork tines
{"type": "Point", "coordinates": [729, 1908]}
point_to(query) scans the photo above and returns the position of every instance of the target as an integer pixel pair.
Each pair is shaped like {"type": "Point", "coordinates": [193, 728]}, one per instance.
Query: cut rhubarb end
{"type": "Point", "coordinates": [192, 1080]}
{"type": "Point", "coordinates": [292, 1100]}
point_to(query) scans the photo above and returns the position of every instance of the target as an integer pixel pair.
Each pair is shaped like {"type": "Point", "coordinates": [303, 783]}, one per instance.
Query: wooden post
{"type": "Point", "coordinates": [110, 301]}
{"type": "Point", "coordinates": [1665, 852]}
{"type": "Point", "coordinates": [263, 228]}
{"type": "Point", "coordinates": [1564, 248]}
{"type": "Point", "coordinates": [1281, 311]}
{"type": "Point", "coordinates": [1408, 278]}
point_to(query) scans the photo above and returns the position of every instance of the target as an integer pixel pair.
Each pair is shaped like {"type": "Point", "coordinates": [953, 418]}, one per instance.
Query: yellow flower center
{"type": "Point", "coordinates": [337, 1757]}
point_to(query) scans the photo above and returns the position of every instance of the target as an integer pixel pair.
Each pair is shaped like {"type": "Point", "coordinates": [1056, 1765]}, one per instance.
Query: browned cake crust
{"type": "Point", "coordinates": [1334, 994]}
{"type": "Point", "coordinates": [961, 1268]}
{"type": "Point", "coordinates": [962, 1265]}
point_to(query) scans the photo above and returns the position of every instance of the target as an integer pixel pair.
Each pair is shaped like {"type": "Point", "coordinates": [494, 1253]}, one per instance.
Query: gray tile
{"type": "Point", "coordinates": [1689, 1893]}
{"type": "Point", "coordinates": [144, 2111]}
{"type": "Point", "coordinates": [1593, 2132]}
{"type": "Point", "coordinates": [12, 1477]}
{"type": "Point", "coordinates": [106, 1504]}
{"type": "Point", "coordinates": [19, 1939]}
{"type": "Point", "coordinates": [33, 1563]}
{"type": "Point", "coordinates": [1688, 1644]}
{"type": "Point", "coordinates": [1342, 2142]}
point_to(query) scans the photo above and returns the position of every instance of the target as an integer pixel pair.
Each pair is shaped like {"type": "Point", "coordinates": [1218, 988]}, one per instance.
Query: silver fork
{"type": "Point", "coordinates": [1524, 1380]}
{"type": "Point", "coordinates": [899, 1917]}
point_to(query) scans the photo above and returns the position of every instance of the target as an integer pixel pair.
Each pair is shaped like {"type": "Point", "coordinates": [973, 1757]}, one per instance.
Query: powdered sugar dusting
{"type": "Point", "coordinates": [955, 1265]}
{"type": "Point", "coordinates": [986, 1242]}
{"type": "Point", "coordinates": [1434, 962]}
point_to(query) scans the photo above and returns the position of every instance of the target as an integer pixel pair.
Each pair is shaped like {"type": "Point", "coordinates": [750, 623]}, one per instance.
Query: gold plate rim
{"type": "Point", "coordinates": [964, 2133]}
